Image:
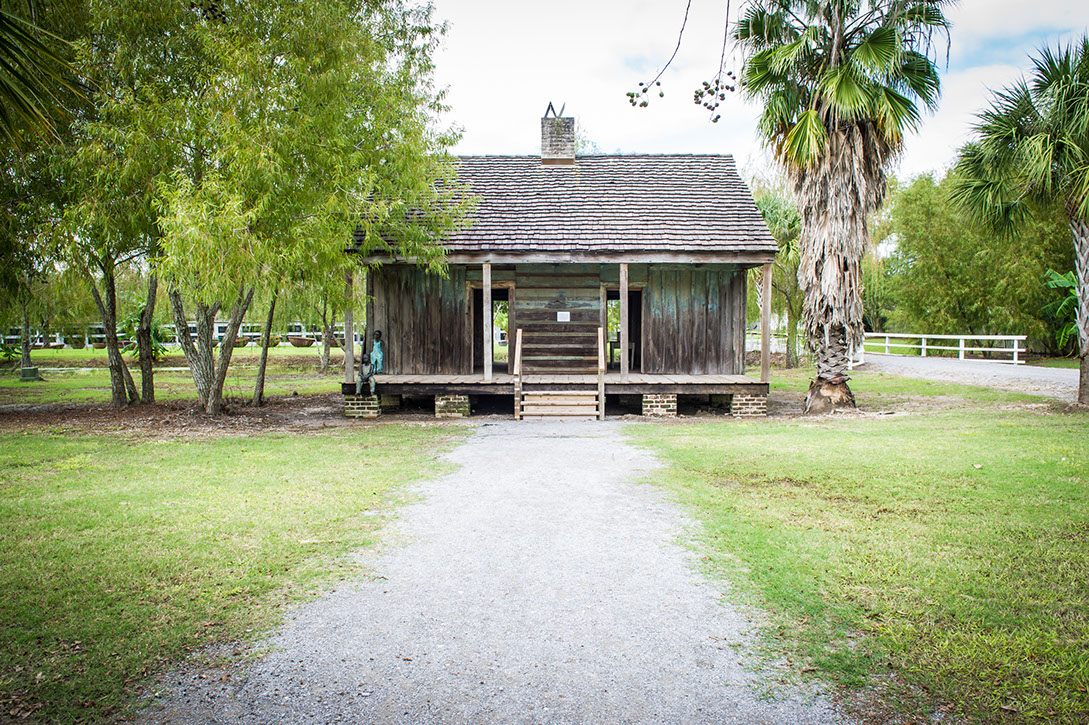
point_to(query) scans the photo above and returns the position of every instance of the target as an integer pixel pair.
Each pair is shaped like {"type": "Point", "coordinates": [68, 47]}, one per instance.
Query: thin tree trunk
{"type": "Point", "coordinates": [25, 354]}
{"type": "Point", "coordinates": [326, 346]}
{"type": "Point", "coordinates": [209, 375]}
{"type": "Point", "coordinates": [326, 338]}
{"type": "Point", "coordinates": [1081, 264]}
{"type": "Point", "coordinates": [792, 337]}
{"type": "Point", "coordinates": [226, 349]}
{"type": "Point", "coordinates": [259, 386]}
{"type": "Point", "coordinates": [144, 343]}
{"type": "Point", "coordinates": [122, 389]}
{"type": "Point", "coordinates": [349, 330]}
{"type": "Point", "coordinates": [199, 354]}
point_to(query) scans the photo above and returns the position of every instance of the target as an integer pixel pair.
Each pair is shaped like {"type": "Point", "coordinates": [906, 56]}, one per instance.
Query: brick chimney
{"type": "Point", "coordinates": [557, 138]}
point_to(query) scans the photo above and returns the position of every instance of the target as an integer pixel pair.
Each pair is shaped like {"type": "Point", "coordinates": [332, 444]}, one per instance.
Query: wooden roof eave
{"type": "Point", "coordinates": [748, 258]}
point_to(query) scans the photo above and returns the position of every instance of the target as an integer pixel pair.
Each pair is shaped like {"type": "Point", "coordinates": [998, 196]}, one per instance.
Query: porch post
{"type": "Point", "coordinates": [488, 353]}
{"type": "Point", "coordinates": [765, 325]}
{"type": "Point", "coordinates": [624, 321]}
{"type": "Point", "coordinates": [349, 330]}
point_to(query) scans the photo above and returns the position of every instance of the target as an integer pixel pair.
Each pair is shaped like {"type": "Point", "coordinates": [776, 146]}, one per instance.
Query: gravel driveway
{"type": "Point", "coordinates": [537, 584]}
{"type": "Point", "coordinates": [1059, 383]}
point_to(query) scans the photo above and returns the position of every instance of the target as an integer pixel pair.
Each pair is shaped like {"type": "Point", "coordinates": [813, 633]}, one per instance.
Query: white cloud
{"type": "Point", "coordinates": [974, 21]}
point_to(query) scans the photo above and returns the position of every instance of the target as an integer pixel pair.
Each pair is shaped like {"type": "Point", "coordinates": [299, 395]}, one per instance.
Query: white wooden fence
{"type": "Point", "coordinates": [1009, 347]}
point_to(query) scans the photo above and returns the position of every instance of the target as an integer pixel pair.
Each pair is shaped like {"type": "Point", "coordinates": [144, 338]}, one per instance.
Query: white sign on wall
{"type": "Point", "coordinates": [563, 316]}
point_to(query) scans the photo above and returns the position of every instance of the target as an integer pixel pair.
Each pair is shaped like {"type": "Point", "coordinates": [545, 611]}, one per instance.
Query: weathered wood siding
{"type": "Point", "coordinates": [694, 320]}
{"type": "Point", "coordinates": [424, 320]}
{"type": "Point", "coordinates": [693, 317]}
{"type": "Point", "coordinates": [547, 344]}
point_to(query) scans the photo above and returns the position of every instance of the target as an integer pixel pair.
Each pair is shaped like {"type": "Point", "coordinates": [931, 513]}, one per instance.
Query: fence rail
{"type": "Point", "coordinates": [1011, 345]}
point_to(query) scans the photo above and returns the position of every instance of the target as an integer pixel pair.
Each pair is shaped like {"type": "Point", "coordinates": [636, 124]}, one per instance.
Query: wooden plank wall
{"type": "Point", "coordinates": [549, 345]}
{"type": "Point", "coordinates": [694, 320]}
{"type": "Point", "coordinates": [424, 320]}
{"type": "Point", "coordinates": [693, 317]}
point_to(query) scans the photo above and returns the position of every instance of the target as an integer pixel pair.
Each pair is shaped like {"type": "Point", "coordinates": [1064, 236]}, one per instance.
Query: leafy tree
{"type": "Point", "coordinates": [1031, 148]}
{"type": "Point", "coordinates": [34, 80]}
{"type": "Point", "coordinates": [22, 254]}
{"type": "Point", "coordinates": [949, 274]}
{"type": "Point", "coordinates": [781, 215]}
{"type": "Point", "coordinates": [314, 119]}
{"type": "Point", "coordinates": [840, 81]}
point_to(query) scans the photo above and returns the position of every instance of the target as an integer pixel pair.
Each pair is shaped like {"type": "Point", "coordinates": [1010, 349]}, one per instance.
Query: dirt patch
{"type": "Point", "coordinates": [173, 419]}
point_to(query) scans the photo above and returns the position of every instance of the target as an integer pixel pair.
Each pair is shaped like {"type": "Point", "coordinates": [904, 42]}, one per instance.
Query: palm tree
{"type": "Point", "coordinates": [33, 76]}
{"type": "Point", "coordinates": [1032, 148]}
{"type": "Point", "coordinates": [840, 81]}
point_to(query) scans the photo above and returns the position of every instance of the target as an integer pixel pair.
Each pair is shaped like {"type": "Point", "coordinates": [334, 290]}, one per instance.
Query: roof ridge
{"type": "Point", "coordinates": [599, 156]}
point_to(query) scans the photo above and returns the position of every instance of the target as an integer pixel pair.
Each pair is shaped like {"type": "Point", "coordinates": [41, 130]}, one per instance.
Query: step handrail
{"type": "Point", "coordinates": [518, 353]}
{"type": "Point", "coordinates": [601, 373]}
{"type": "Point", "coordinates": [517, 373]}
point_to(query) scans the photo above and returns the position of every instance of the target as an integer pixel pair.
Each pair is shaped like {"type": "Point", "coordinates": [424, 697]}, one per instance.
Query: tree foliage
{"type": "Point", "coordinates": [949, 274]}
{"type": "Point", "coordinates": [314, 123]}
{"type": "Point", "coordinates": [229, 146]}
{"type": "Point", "coordinates": [781, 215]}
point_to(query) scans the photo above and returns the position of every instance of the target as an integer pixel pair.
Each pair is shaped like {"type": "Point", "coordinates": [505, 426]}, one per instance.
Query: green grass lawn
{"type": "Point", "coordinates": [123, 555]}
{"type": "Point", "coordinates": [80, 376]}
{"type": "Point", "coordinates": [1058, 362]}
{"type": "Point", "coordinates": [948, 545]}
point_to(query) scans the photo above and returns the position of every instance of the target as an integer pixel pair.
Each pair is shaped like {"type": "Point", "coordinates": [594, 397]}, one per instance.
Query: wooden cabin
{"type": "Point", "coordinates": [665, 240]}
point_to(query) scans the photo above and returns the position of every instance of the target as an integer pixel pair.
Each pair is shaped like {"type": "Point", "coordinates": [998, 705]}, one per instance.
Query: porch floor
{"type": "Point", "coordinates": [503, 383]}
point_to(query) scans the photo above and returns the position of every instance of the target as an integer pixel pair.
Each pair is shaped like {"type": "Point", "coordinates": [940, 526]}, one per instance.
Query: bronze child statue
{"type": "Point", "coordinates": [370, 365]}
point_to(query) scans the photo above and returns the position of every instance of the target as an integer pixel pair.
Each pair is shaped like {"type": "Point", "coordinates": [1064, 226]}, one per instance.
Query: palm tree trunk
{"type": "Point", "coordinates": [1081, 264]}
{"type": "Point", "coordinates": [835, 196]}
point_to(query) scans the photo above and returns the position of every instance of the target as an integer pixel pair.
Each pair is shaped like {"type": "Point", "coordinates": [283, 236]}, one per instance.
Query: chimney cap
{"type": "Point", "coordinates": [552, 109]}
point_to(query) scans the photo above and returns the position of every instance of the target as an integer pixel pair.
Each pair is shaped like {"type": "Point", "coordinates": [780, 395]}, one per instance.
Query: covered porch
{"type": "Point", "coordinates": [566, 395]}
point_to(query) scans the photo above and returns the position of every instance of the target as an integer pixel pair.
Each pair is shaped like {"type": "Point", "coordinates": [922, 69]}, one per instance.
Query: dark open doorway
{"type": "Point", "coordinates": [500, 337]}
{"type": "Point", "coordinates": [635, 329]}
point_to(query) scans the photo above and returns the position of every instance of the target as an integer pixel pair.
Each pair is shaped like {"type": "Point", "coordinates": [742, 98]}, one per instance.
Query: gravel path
{"type": "Point", "coordinates": [538, 584]}
{"type": "Point", "coordinates": [1059, 383]}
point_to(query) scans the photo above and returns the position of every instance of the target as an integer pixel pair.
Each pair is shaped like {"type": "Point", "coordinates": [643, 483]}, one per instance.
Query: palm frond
{"type": "Point", "coordinates": [845, 92]}
{"type": "Point", "coordinates": [806, 139]}
{"type": "Point", "coordinates": [879, 51]}
{"type": "Point", "coordinates": [918, 75]}
{"type": "Point", "coordinates": [895, 113]}
{"type": "Point", "coordinates": [986, 191]}
{"type": "Point", "coordinates": [31, 74]}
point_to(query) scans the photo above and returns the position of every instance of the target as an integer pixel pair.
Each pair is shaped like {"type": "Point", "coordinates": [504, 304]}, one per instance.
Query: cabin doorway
{"type": "Point", "coordinates": [501, 340]}
{"type": "Point", "coordinates": [635, 329]}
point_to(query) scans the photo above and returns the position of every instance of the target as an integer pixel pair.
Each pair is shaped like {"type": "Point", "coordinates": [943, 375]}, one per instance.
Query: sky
{"type": "Point", "coordinates": [503, 62]}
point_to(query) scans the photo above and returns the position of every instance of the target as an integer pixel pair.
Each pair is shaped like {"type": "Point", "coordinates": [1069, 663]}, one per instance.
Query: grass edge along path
{"type": "Point", "coordinates": [948, 548]}
{"type": "Point", "coordinates": [121, 556]}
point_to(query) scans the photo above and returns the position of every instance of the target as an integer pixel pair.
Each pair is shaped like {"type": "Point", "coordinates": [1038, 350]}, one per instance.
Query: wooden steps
{"type": "Point", "coordinates": [560, 404]}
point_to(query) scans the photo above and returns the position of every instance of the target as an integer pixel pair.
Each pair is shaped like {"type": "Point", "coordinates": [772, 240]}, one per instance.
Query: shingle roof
{"type": "Point", "coordinates": [611, 204]}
